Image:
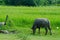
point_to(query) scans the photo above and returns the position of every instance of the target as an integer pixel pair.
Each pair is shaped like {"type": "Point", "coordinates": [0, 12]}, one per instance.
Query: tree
{"type": "Point", "coordinates": [31, 2]}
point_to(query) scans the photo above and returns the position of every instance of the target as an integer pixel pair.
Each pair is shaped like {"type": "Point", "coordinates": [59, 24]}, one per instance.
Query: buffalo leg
{"type": "Point", "coordinates": [46, 31]}
{"type": "Point", "coordinates": [50, 30]}
{"type": "Point", "coordinates": [39, 30]}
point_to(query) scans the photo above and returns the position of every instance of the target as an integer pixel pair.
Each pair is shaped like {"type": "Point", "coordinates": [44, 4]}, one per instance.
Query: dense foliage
{"type": "Point", "coordinates": [30, 2]}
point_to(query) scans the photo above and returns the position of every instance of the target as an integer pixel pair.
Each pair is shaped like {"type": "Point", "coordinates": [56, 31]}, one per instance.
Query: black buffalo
{"type": "Point", "coordinates": [41, 22]}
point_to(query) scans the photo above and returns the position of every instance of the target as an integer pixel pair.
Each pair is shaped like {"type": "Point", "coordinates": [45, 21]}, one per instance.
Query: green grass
{"type": "Point", "coordinates": [22, 19]}
{"type": "Point", "coordinates": [25, 34]}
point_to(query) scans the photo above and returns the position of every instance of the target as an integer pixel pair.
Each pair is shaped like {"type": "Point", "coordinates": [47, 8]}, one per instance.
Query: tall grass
{"type": "Point", "coordinates": [25, 16]}
{"type": "Point", "coordinates": [22, 19]}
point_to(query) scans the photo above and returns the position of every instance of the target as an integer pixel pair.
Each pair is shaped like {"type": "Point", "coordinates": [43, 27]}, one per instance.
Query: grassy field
{"type": "Point", "coordinates": [22, 19]}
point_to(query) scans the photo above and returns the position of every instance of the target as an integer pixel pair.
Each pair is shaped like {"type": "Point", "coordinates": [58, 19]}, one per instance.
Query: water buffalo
{"type": "Point", "coordinates": [41, 22]}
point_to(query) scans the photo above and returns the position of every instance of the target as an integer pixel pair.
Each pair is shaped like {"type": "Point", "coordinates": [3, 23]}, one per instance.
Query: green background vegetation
{"type": "Point", "coordinates": [25, 16]}
{"type": "Point", "coordinates": [22, 18]}
{"type": "Point", "coordinates": [30, 2]}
